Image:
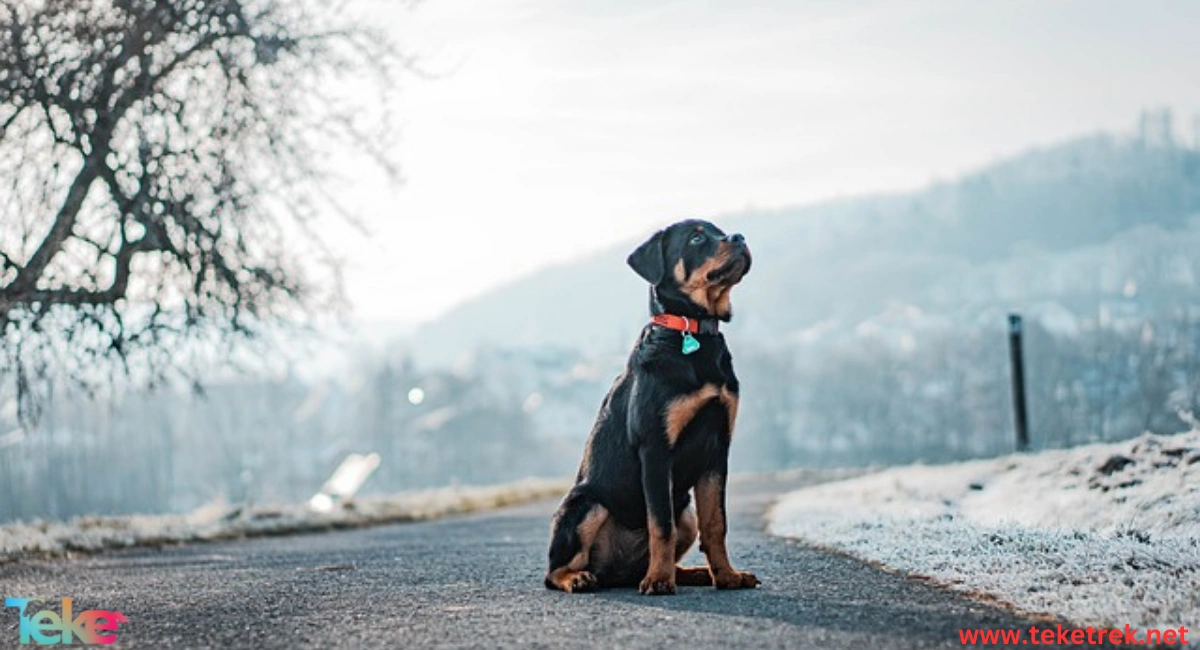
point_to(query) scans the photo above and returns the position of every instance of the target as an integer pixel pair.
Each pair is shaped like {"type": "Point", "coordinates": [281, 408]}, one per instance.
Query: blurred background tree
{"type": "Point", "coordinates": [164, 173]}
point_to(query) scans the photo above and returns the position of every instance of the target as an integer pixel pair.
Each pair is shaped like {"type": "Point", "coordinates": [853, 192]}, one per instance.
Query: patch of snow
{"type": "Point", "coordinates": [220, 521]}
{"type": "Point", "coordinates": [1105, 534]}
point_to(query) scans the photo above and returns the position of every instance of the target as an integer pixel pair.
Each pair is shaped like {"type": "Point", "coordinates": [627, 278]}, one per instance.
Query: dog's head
{"type": "Point", "coordinates": [693, 265]}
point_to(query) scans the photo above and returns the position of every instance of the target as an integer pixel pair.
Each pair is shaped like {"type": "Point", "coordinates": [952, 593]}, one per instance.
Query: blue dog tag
{"type": "Point", "coordinates": [690, 344]}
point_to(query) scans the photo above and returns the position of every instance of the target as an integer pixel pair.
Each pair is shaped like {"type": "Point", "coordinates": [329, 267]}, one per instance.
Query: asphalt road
{"type": "Point", "coordinates": [475, 581]}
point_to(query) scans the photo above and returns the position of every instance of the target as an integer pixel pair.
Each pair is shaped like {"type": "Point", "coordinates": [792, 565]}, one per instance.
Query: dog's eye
{"type": "Point", "coordinates": [697, 239]}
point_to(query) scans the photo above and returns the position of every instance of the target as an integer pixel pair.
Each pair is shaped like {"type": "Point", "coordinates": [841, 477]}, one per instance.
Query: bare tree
{"type": "Point", "coordinates": [163, 175]}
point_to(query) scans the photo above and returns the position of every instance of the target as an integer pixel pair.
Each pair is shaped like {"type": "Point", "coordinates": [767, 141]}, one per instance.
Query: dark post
{"type": "Point", "coordinates": [1020, 416]}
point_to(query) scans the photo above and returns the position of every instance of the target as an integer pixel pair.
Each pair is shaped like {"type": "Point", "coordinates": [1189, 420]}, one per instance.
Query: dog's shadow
{"type": "Point", "coordinates": [934, 617]}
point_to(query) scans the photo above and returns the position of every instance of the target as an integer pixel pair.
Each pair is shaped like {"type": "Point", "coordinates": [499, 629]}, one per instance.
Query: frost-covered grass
{"type": "Point", "coordinates": [1101, 535]}
{"type": "Point", "coordinates": [222, 522]}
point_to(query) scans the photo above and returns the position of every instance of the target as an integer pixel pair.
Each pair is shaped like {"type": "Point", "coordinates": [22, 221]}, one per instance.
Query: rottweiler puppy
{"type": "Point", "coordinates": [663, 431]}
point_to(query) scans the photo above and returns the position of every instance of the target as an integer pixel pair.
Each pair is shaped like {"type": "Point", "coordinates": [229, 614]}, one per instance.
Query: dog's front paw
{"type": "Point", "coordinates": [736, 580]}
{"type": "Point", "coordinates": [656, 585]}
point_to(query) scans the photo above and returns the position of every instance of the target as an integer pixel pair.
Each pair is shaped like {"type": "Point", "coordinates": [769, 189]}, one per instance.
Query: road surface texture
{"type": "Point", "coordinates": [476, 581]}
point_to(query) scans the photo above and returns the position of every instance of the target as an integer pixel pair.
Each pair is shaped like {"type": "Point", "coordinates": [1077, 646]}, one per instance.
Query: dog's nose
{"type": "Point", "coordinates": [736, 238]}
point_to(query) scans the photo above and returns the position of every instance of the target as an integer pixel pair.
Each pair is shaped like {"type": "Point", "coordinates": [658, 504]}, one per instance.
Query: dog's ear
{"type": "Point", "coordinates": [648, 259]}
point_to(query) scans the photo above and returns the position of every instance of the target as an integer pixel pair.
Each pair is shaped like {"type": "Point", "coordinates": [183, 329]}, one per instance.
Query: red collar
{"type": "Point", "coordinates": [685, 324]}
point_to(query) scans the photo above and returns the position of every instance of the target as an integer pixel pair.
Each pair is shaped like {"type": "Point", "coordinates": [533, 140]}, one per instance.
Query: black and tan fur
{"type": "Point", "coordinates": [663, 432]}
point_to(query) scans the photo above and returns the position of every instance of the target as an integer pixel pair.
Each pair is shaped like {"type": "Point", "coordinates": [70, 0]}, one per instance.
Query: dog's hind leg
{"type": "Point", "coordinates": [572, 533]}
{"type": "Point", "coordinates": [687, 529]}
{"type": "Point", "coordinates": [693, 576]}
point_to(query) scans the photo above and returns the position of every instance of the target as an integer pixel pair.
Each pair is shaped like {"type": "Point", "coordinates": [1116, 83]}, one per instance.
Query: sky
{"type": "Point", "coordinates": [544, 130]}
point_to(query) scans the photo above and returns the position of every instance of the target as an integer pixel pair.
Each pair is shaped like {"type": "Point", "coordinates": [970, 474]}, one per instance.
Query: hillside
{"type": "Point", "coordinates": [1050, 224]}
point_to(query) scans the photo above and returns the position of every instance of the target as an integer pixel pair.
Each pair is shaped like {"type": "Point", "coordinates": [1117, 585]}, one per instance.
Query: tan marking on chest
{"type": "Point", "coordinates": [682, 409]}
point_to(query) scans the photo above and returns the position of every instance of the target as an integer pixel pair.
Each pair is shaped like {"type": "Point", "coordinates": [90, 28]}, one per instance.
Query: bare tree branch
{"type": "Point", "coordinates": [171, 169]}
